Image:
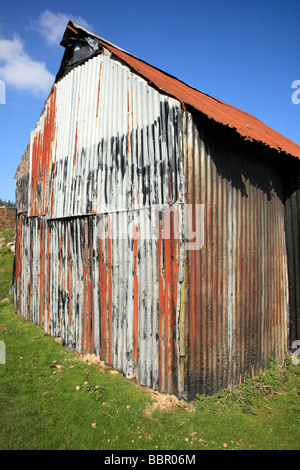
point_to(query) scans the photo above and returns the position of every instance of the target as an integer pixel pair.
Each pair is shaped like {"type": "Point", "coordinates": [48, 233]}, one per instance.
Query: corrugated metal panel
{"type": "Point", "coordinates": [114, 297]}
{"type": "Point", "coordinates": [40, 157]}
{"type": "Point", "coordinates": [111, 144]}
{"type": "Point", "coordinates": [116, 151]}
{"type": "Point", "coordinates": [292, 225]}
{"type": "Point", "coordinates": [236, 291]}
{"type": "Point", "coordinates": [22, 183]}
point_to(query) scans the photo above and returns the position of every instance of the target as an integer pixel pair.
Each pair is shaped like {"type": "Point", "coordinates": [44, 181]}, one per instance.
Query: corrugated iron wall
{"type": "Point", "coordinates": [40, 158]}
{"type": "Point", "coordinates": [22, 182]}
{"type": "Point", "coordinates": [92, 262]}
{"type": "Point", "coordinates": [292, 225]}
{"type": "Point", "coordinates": [110, 156]}
{"type": "Point", "coordinates": [115, 298]}
{"type": "Point", "coordinates": [112, 143]}
{"type": "Point", "coordinates": [236, 291]}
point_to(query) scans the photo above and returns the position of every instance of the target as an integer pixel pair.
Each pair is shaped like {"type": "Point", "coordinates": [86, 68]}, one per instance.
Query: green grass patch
{"type": "Point", "coordinates": [51, 399]}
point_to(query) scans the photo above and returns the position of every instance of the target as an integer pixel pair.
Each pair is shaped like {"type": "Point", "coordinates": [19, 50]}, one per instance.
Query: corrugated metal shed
{"type": "Point", "coordinates": [151, 224]}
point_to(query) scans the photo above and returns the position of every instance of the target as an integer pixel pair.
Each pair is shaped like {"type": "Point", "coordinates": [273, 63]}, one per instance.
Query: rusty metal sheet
{"type": "Point", "coordinates": [106, 155]}
{"type": "Point", "coordinates": [106, 141]}
{"type": "Point", "coordinates": [291, 184]}
{"type": "Point", "coordinates": [22, 182]}
{"type": "Point", "coordinates": [113, 297]}
{"type": "Point", "coordinates": [40, 159]}
{"type": "Point", "coordinates": [236, 289]}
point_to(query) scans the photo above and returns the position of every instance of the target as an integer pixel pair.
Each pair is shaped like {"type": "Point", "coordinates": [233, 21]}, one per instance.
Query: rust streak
{"type": "Point", "coordinates": [42, 275]}
{"type": "Point", "coordinates": [103, 300]}
{"type": "Point", "coordinates": [135, 303]}
{"type": "Point", "coordinates": [48, 279]}
{"type": "Point", "coordinates": [161, 309]}
{"type": "Point", "coordinates": [110, 294]}
{"type": "Point", "coordinates": [69, 282]}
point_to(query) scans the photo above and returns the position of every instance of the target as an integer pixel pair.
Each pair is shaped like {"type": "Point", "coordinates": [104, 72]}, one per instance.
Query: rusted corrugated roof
{"type": "Point", "coordinates": [249, 127]}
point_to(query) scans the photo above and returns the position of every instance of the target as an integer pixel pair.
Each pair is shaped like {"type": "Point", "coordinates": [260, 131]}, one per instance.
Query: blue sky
{"type": "Point", "coordinates": [244, 53]}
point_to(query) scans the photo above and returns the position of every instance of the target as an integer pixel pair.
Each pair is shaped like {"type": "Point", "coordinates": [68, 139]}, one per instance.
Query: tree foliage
{"type": "Point", "coordinates": [8, 204]}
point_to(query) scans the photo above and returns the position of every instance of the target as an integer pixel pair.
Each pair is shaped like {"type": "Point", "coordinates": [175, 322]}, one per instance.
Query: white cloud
{"type": "Point", "coordinates": [20, 71]}
{"type": "Point", "coordinates": [52, 25]}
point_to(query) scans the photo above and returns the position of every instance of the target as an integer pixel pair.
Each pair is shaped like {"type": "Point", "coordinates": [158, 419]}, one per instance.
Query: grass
{"type": "Point", "coordinates": [52, 399]}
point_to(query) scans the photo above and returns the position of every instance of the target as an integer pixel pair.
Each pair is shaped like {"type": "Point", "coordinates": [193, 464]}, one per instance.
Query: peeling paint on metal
{"type": "Point", "coordinates": [114, 160]}
{"type": "Point", "coordinates": [96, 260]}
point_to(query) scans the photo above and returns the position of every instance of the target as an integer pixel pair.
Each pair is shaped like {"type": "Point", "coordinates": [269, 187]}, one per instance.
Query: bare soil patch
{"type": "Point", "coordinates": [160, 401]}
{"type": "Point", "coordinates": [7, 218]}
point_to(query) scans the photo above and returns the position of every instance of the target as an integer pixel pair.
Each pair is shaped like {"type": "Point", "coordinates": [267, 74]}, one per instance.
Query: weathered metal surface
{"type": "Point", "coordinates": [117, 298]}
{"type": "Point", "coordinates": [292, 226]}
{"type": "Point", "coordinates": [236, 290]}
{"type": "Point", "coordinates": [98, 259]}
{"type": "Point", "coordinates": [40, 159]}
{"type": "Point", "coordinates": [22, 182]}
{"type": "Point", "coordinates": [110, 141]}
{"type": "Point", "coordinates": [93, 263]}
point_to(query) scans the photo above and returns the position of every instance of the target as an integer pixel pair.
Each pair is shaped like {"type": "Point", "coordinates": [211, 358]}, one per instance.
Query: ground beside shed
{"type": "Point", "coordinates": [7, 218]}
